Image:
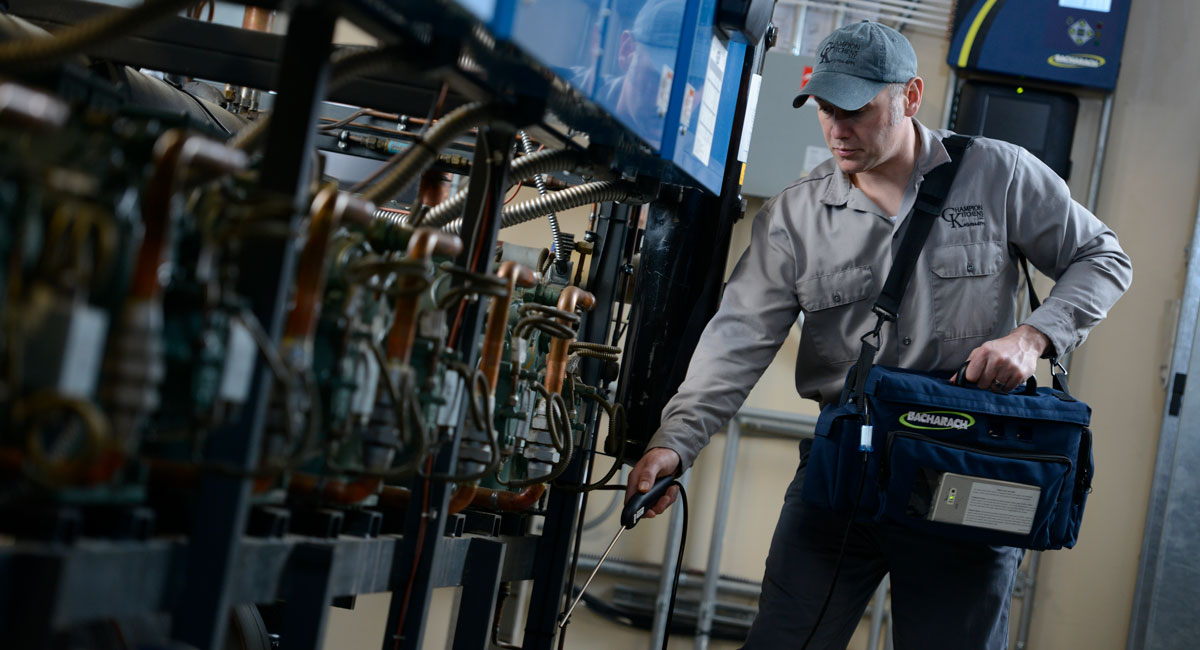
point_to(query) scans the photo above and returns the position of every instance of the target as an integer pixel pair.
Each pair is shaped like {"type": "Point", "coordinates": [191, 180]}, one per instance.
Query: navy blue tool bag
{"type": "Point", "coordinates": [912, 449]}
{"type": "Point", "coordinates": [1025, 460]}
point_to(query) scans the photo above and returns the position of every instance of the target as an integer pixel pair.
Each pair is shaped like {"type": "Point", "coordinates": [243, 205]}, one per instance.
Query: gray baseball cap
{"type": "Point", "coordinates": [856, 62]}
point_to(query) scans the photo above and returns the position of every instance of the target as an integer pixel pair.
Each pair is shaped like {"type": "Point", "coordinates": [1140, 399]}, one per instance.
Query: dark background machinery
{"type": "Point", "coordinates": [247, 377]}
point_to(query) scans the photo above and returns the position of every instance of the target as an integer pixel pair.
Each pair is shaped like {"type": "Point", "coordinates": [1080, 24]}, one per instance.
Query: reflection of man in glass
{"type": "Point", "coordinates": [644, 54]}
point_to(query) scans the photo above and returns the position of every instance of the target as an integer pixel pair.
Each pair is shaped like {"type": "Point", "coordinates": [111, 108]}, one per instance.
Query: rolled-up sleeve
{"type": "Point", "coordinates": [1069, 244]}
{"type": "Point", "coordinates": [757, 308]}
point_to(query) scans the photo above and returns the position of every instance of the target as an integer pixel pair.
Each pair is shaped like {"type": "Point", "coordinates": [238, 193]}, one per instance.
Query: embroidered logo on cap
{"type": "Point", "coordinates": [840, 52]}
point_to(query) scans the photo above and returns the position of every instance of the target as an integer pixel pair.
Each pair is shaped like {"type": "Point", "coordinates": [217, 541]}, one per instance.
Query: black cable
{"type": "Point", "coordinates": [678, 563]}
{"type": "Point", "coordinates": [862, 481]}
{"type": "Point", "coordinates": [583, 499]}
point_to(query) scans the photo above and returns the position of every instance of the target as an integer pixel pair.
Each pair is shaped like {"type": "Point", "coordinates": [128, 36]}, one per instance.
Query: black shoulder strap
{"type": "Point", "coordinates": [925, 211]}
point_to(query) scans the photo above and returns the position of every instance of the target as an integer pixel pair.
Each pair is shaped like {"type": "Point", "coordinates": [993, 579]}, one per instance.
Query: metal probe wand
{"type": "Point", "coordinates": [630, 515]}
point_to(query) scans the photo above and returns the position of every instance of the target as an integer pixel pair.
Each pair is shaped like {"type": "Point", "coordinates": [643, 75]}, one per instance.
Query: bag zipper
{"type": "Point", "coordinates": [885, 465]}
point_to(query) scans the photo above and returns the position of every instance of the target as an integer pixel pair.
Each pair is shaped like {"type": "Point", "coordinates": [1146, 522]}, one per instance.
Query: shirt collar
{"type": "Point", "coordinates": [933, 153]}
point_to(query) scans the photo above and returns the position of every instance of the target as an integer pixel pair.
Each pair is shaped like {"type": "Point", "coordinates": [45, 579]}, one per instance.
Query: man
{"type": "Point", "coordinates": [823, 247]}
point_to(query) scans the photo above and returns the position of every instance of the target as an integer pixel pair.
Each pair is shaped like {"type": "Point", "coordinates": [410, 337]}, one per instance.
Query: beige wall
{"type": "Point", "coordinates": [1149, 196]}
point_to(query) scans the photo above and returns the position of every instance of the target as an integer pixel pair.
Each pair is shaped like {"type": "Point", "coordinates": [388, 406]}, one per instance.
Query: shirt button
{"type": "Point", "coordinates": [907, 341]}
{"type": "Point", "coordinates": [837, 297]}
{"type": "Point", "coordinates": [970, 268]}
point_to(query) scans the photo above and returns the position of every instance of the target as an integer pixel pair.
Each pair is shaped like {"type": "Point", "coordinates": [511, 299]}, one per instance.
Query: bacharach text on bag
{"type": "Point", "coordinates": [937, 420]}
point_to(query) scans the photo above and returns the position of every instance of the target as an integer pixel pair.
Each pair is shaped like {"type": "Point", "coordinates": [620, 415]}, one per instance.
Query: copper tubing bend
{"type": "Point", "coordinates": [329, 208]}
{"type": "Point", "coordinates": [569, 300]}
{"type": "Point", "coordinates": [509, 501]}
{"type": "Point", "coordinates": [332, 490]}
{"type": "Point", "coordinates": [258, 19]}
{"type": "Point", "coordinates": [424, 244]}
{"type": "Point", "coordinates": [516, 275]}
{"type": "Point", "coordinates": [176, 153]}
{"type": "Point", "coordinates": [462, 497]}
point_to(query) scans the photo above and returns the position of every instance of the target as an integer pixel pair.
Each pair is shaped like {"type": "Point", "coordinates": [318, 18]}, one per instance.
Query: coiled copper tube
{"type": "Point", "coordinates": [423, 245]}
{"type": "Point", "coordinates": [176, 153]}
{"type": "Point", "coordinates": [493, 339]}
{"type": "Point", "coordinates": [569, 300]}
{"type": "Point", "coordinates": [329, 208]}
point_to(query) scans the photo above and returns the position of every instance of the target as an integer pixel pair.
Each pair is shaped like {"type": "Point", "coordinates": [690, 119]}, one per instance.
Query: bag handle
{"type": "Point", "coordinates": [961, 381]}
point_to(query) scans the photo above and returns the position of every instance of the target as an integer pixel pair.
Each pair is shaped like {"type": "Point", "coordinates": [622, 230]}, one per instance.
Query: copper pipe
{"type": "Point", "coordinates": [176, 153]}
{"type": "Point", "coordinates": [569, 300]}
{"type": "Point", "coordinates": [463, 494]}
{"type": "Point", "coordinates": [516, 275]}
{"type": "Point", "coordinates": [258, 19]}
{"type": "Point", "coordinates": [423, 245]}
{"type": "Point", "coordinates": [332, 490]}
{"type": "Point", "coordinates": [509, 501]}
{"type": "Point", "coordinates": [394, 497]}
{"type": "Point", "coordinates": [329, 208]}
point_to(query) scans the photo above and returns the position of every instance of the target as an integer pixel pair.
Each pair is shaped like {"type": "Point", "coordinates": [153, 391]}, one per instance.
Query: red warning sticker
{"type": "Point", "coordinates": [806, 76]}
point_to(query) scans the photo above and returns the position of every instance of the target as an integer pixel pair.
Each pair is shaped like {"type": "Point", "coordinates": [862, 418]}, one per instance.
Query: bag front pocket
{"type": "Point", "coordinates": [1005, 497]}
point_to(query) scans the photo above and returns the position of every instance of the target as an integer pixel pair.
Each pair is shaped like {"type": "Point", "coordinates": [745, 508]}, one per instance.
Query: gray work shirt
{"type": "Point", "coordinates": [821, 246]}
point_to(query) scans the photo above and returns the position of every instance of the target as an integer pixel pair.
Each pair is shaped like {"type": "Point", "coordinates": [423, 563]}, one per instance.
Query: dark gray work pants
{"type": "Point", "coordinates": [945, 594]}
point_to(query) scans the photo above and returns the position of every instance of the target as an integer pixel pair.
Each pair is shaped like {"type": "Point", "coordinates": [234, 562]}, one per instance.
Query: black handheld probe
{"type": "Point", "coordinates": [630, 515]}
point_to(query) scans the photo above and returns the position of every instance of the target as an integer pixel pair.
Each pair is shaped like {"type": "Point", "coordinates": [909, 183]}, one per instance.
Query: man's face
{"type": "Point", "coordinates": [861, 140]}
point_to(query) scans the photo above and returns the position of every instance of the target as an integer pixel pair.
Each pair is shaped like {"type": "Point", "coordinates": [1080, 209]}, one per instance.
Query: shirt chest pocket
{"type": "Point", "coordinates": [836, 306]}
{"type": "Point", "coordinates": [966, 288]}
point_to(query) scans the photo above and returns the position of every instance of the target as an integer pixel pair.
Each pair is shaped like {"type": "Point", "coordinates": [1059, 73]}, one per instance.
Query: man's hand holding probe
{"type": "Point", "coordinates": [656, 463]}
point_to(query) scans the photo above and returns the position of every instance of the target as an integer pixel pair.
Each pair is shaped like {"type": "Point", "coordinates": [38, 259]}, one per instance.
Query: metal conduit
{"type": "Point", "coordinates": [542, 162]}
{"type": "Point", "coordinates": [558, 249]}
{"type": "Point", "coordinates": [571, 197]}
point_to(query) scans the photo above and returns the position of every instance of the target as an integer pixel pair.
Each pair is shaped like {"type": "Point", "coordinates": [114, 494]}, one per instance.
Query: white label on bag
{"type": "Point", "coordinates": [1006, 507]}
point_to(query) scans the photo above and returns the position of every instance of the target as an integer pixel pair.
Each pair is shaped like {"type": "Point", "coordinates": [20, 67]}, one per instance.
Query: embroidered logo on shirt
{"type": "Point", "coordinates": [965, 216]}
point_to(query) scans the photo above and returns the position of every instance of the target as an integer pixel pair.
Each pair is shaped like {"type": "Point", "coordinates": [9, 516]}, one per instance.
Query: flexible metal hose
{"type": "Point", "coordinates": [423, 152]}
{"type": "Point", "coordinates": [572, 197]}
{"type": "Point", "coordinates": [519, 169]}
{"type": "Point", "coordinates": [42, 51]}
{"type": "Point", "coordinates": [560, 251]}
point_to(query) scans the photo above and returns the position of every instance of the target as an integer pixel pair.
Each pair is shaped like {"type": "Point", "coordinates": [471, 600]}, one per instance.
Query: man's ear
{"type": "Point", "coordinates": [625, 50]}
{"type": "Point", "coordinates": [913, 91]}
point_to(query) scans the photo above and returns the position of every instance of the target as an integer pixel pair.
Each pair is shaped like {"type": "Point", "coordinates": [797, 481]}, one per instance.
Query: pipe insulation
{"type": "Point", "coordinates": [542, 162]}
{"type": "Point", "coordinates": [572, 197]}
{"type": "Point", "coordinates": [42, 51]}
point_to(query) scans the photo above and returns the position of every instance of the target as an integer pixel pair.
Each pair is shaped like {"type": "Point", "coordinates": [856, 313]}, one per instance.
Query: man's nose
{"type": "Point", "coordinates": [839, 127]}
